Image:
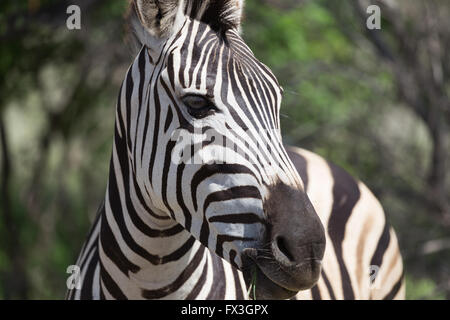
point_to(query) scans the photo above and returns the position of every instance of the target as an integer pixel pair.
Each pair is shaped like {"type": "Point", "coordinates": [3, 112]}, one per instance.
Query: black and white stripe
{"type": "Point", "coordinates": [358, 235]}
{"type": "Point", "coordinates": [172, 230]}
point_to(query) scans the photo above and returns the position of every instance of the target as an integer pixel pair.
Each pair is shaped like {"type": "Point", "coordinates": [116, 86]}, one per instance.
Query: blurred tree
{"type": "Point", "coordinates": [415, 43]}
{"type": "Point", "coordinates": [61, 82]}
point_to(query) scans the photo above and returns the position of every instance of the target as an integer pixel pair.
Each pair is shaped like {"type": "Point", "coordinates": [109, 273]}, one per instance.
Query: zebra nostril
{"type": "Point", "coordinates": [280, 244]}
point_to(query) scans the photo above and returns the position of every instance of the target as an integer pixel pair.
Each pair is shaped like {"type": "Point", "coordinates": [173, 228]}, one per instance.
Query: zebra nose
{"type": "Point", "coordinates": [298, 237]}
{"type": "Point", "coordinates": [288, 255]}
{"type": "Point", "coordinates": [296, 234]}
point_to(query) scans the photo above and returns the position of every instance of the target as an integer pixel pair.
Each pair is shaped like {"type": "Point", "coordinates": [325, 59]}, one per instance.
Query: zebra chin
{"type": "Point", "coordinates": [271, 279]}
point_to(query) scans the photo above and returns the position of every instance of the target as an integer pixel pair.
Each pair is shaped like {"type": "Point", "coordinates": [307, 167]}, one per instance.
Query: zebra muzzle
{"type": "Point", "coordinates": [275, 279]}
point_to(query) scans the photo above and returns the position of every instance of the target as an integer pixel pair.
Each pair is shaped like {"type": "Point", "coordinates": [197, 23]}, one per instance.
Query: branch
{"type": "Point", "coordinates": [434, 246]}
{"type": "Point", "coordinates": [374, 35]}
{"type": "Point", "coordinates": [15, 281]}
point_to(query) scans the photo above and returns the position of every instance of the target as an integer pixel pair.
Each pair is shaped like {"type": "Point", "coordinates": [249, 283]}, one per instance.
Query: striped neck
{"type": "Point", "coordinates": [148, 254]}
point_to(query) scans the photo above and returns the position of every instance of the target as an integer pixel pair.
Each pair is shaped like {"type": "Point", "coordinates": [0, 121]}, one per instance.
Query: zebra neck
{"type": "Point", "coordinates": [173, 265]}
{"type": "Point", "coordinates": [150, 262]}
{"type": "Point", "coordinates": [148, 255]}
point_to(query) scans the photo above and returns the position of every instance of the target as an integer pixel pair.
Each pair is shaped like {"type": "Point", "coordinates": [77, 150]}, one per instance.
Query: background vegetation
{"type": "Point", "coordinates": [374, 102]}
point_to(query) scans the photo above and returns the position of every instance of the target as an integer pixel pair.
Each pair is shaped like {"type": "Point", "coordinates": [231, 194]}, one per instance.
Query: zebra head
{"type": "Point", "coordinates": [207, 147]}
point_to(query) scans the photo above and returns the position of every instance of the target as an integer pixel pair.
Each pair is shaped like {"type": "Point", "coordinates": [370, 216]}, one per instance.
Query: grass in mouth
{"type": "Point", "coordinates": [252, 288]}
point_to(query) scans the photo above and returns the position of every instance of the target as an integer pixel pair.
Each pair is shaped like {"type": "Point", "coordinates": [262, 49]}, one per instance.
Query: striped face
{"type": "Point", "coordinates": [206, 149]}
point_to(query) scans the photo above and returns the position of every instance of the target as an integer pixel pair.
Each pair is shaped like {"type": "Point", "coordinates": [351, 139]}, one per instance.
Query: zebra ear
{"type": "Point", "coordinates": [157, 16]}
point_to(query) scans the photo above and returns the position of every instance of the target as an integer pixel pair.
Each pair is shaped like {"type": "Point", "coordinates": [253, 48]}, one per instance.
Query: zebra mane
{"type": "Point", "coordinates": [148, 19]}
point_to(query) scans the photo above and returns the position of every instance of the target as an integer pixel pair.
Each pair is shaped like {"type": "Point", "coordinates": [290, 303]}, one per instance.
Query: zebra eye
{"type": "Point", "coordinates": [198, 106]}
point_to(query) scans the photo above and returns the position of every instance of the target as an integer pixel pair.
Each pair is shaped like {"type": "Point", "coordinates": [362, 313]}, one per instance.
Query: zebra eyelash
{"type": "Point", "coordinates": [199, 106]}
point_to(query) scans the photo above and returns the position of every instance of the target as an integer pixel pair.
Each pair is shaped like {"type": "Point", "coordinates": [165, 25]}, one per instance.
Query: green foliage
{"type": "Point", "coordinates": [422, 289]}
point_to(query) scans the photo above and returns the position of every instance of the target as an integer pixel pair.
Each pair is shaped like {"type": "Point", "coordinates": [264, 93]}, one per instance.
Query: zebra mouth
{"type": "Point", "coordinates": [269, 279]}
{"type": "Point", "coordinates": [265, 289]}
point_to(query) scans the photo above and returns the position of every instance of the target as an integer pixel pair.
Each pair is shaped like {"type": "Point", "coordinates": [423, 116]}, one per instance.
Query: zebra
{"type": "Point", "coordinates": [280, 221]}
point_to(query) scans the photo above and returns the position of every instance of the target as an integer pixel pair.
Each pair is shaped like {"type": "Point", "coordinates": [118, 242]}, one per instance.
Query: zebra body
{"type": "Point", "coordinates": [362, 259]}
{"type": "Point", "coordinates": [176, 230]}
